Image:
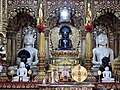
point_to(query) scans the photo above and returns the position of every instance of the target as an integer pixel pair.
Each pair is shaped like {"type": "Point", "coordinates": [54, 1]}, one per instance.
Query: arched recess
{"type": "Point", "coordinates": [52, 17]}
{"type": "Point", "coordinates": [76, 24]}
{"type": "Point", "coordinates": [20, 18]}
{"type": "Point", "coordinates": [107, 20]}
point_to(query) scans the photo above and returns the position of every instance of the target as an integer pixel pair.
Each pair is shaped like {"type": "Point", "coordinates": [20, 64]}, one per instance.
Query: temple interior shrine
{"type": "Point", "coordinates": [59, 44]}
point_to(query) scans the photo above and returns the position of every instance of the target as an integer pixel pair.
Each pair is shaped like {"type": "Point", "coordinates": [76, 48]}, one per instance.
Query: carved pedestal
{"type": "Point", "coordinates": [64, 60]}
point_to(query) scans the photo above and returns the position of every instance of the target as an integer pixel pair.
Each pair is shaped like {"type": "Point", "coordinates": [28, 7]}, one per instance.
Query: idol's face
{"type": "Point", "coordinates": [28, 40]}
{"type": "Point", "coordinates": [106, 68]}
{"type": "Point", "coordinates": [65, 34]}
{"type": "Point", "coordinates": [22, 65]}
{"type": "Point", "coordinates": [102, 39]}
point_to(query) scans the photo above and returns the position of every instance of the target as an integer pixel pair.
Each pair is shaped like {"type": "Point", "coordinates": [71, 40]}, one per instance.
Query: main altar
{"type": "Point", "coordinates": [60, 45]}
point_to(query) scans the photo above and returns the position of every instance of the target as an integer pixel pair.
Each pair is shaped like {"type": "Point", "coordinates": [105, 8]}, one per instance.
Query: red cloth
{"type": "Point", "coordinates": [88, 27]}
{"type": "Point", "coordinates": [40, 28]}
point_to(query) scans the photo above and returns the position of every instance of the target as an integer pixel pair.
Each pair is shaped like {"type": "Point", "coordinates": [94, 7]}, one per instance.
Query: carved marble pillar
{"type": "Point", "coordinates": [88, 50]}
{"type": "Point", "coordinates": [42, 51]}
{"type": "Point", "coordinates": [41, 57]}
{"type": "Point", "coordinates": [88, 57]}
{"type": "Point", "coordinates": [8, 46]}
{"type": "Point", "coordinates": [41, 43]}
{"type": "Point", "coordinates": [88, 41]}
{"type": "Point", "coordinates": [11, 47]}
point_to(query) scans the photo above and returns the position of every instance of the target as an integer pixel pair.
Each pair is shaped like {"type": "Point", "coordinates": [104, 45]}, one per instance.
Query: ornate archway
{"type": "Point", "coordinates": [107, 17]}
{"type": "Point", "coordinates": [52, 18]}
{"type": "Point", "coordinates": [19, 19]}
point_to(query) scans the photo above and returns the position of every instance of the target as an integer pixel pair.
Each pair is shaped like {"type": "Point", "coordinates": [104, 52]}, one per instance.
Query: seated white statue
{"type": "Point", "coordinates": [28, 54]}
{"type": "Point", "coordinates": [29, 42]}
{"type": "Point", "coordinates": [102, 51]}
{"type": "Point", "coordinates": [107, 75]}
{"type": "Point", "coordinates": [21, 73]}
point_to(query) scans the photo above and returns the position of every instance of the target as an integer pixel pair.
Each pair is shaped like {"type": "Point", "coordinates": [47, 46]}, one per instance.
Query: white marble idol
{"type": "Point", "coordinates": [107, 75]}
{"type": "Point", "coordinates": [28, 42]}
{"type": "Point", "coordinates": [30, 58]}
{"type": "Point", "coordinates": [21, 74]}
{"type": "Point", "coordinates": [102, 50]}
